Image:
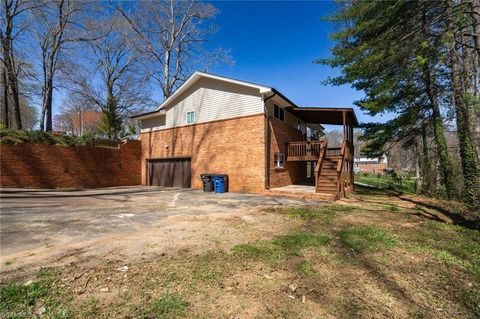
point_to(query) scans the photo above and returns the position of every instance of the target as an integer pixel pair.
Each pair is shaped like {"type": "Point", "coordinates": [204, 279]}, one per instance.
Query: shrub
{"type": "Point", "coordinates": [12, 136]}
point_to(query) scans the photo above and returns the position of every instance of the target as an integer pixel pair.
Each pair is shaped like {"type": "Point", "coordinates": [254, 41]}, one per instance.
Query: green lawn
{"type": "Point", "coordinates": [387, 182]}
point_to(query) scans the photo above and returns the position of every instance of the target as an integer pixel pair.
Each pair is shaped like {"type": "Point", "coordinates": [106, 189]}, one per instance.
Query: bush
{"type": "Point", "coordinates": [12, 136]}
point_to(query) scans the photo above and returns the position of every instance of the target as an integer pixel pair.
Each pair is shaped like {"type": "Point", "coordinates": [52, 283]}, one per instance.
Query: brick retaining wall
{"type": "Point", "coordinates": [52, 166]}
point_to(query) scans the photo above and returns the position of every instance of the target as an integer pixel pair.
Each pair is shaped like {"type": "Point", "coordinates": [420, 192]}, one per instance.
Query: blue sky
{"type": "Point", "coordinates": [275, 43]}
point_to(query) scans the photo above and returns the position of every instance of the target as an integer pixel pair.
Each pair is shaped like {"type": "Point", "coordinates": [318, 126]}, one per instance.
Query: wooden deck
{"type": "Point", "coordinates": [334, 166]}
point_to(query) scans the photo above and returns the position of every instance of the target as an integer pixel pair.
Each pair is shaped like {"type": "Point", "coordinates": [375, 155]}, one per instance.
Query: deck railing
{"type": "Point", "coordinates": [304, 150]}
{"type": "Point", "coordinates": [333, 151]}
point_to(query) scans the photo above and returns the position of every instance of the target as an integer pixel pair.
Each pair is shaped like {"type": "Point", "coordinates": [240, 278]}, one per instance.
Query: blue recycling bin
{"type": "Point", "coordinates": [220, 183]}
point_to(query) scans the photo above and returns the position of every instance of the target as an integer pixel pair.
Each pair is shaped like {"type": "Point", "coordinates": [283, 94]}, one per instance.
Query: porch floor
{"type": "Point", "coordinates": [299, 191]}
{"type": "Point", "coordinates": [296, 188]}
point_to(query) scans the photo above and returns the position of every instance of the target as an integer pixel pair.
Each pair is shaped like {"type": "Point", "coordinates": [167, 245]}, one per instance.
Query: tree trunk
{"type": "Point", "coordinates": [5, 98]}
{"type": "Point", "coordinates": [438, 132]}
{"type": "Point", "coordinates": [426, 165]}
{"type": "Point", "coordinates": [468, 152]}
{"type": "Point", "coordinates": [475, 14]}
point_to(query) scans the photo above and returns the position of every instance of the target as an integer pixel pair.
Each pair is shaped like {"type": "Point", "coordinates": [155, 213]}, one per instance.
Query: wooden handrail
{"type": "Point", "coordinates": [318, 167]}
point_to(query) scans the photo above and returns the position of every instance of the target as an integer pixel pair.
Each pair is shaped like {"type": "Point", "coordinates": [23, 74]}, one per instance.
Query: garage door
{"type": "Point", "coordinates": [170, 172]}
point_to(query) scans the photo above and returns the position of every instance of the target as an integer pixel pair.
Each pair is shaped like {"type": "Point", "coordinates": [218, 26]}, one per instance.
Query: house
{"type": "Point", "coordinates": [252, 132]}
{"type": "Point", "coordinates": [370, 165]}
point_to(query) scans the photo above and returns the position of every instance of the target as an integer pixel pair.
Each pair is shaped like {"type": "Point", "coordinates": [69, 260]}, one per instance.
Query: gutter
{"type": "Point", "coordinates": [267, 141]}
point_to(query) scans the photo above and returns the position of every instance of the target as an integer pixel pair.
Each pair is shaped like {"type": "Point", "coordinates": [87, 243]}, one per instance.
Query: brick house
{"type": "Point", "coordinates": [253, 133]}
{"type": "Point", "coordinates": [370, 165]}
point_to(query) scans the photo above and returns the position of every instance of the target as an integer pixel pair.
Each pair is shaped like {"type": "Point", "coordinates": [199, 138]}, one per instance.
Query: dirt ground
{"type": "Point", "coordinates": [373, 255]}
{"type": "Point", "coordinates": [45, 228]}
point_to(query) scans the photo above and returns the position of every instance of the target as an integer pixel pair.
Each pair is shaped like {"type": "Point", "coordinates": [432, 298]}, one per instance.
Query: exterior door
{"type": "Point", "coordinates": [170, 172]}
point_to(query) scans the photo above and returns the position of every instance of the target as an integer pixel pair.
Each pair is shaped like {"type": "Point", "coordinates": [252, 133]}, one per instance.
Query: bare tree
{"type": "Point", "coordinates": [11, 11]}
{"type": "Point", "coordinates": [58, 23]}
{"type": "Point", "coordinates": [77, 116]}
{"type": "Point", "coordinates": [121, 88]}
{"type": "Point", "coordinates": [172, 34]}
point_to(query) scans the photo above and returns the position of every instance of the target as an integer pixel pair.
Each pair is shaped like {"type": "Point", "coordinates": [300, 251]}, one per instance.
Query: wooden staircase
{"type": "Point", "coordinates": [334, 167]}
{"type": "Point", "coordinates": [327, 178]}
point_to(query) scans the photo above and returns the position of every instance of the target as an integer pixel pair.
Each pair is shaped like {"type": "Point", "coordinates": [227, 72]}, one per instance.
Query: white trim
{"type": "Point", "coordinates": [194, 116]}
{"type": "Point", "coordinates": [278, 163]}
{"type": "Point", "coordinates": [198, 75]}
{"type": "Point", "coordinates": [148, 116]}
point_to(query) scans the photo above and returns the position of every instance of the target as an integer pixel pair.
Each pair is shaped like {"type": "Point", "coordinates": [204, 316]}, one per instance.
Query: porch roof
{"type": "Point", "coordinates": [324, 115]}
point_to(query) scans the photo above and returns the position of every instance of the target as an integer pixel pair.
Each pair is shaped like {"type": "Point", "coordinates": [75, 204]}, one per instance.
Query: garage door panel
{"type": "Point", "coordinates": [170, 172]}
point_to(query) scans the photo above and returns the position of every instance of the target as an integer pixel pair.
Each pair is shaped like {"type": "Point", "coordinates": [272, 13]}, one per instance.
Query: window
{"type": "Point", "coordinates": [278, 112]}
{"type": "Point", "coordinates": [191, 117]}
{"type": "Point", "coordinates": [279, 160]}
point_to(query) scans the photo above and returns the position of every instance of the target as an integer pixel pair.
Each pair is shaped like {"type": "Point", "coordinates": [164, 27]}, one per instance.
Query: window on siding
{"type": "Point", "coordinates": [279, 160]}
{"type": "Point", "coordinates": [191, 117]}
{"type": "Point", "coordinates": [278, 112]}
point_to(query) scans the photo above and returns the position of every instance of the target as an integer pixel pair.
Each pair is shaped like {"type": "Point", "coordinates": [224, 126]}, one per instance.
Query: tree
{"type": "Point", "coordinates": [404, 56]}
{"type": "Point", "coordinates": [77, 116]}
{"type": "Point", "coordinates": [12, 11]}
{"type": "Point", "coordinates": [462, 96]}
{"type": "Point", "coordinates": [121, 88]}
{"type": "Point", "coordinates": [171, 35]}
{"type": "Point", "coordinates": [58, 23]}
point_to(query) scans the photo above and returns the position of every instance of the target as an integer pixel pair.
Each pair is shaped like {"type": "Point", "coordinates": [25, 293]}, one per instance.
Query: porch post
{"type": "Point", "coordinates": [344, 126]}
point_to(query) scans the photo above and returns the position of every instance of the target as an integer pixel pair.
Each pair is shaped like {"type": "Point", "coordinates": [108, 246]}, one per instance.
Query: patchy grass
{"type": "Point", "coordinates": [387, 182]}
{"type": "Point", "coordinates": [325, 213]}
{"type": "Point", "coordinates": [281, 247]}
{"type": "Point", "coordinates": [371, 257]}
{"type": "Point", "coordinates": [366, 238]}
{"type": "Point", "coordinates": [19, 300]}
{"type": "Point", "coordinates": [169, 305]}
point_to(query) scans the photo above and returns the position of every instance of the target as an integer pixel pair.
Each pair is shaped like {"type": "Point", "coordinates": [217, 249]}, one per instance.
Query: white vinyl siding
{"type": "Point", "coordinates": [154, 123]}
{"type": "Point", "coordinates": [212, 100]}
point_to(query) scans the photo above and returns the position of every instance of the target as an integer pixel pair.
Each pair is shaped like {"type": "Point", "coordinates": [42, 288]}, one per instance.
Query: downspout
{"type": "Point", "coordinates": [267, 142]}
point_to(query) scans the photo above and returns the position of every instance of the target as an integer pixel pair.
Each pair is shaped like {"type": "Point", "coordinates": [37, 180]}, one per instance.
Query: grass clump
{"type": "Point", "coordinates": [297, 241]}
{"type": "Point", "coordinates": [281, 246]}
{"type": "Point", "coordinates": [23, 300]}
{"type": "Point", "coordinates": [366, 238]}
{"type": "Point", "coordinates": [325, 212]}
{"type": "Point", "coordinates": [18, 299]}
{"type": "Point", "coordinates": [262, 250]}
{"type": "Point", "coordinates": [169, 305]}
{"type": "Point", "coordinates": [305, 268]}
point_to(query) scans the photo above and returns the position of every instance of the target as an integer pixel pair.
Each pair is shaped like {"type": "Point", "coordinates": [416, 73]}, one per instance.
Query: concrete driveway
{"type": "Point", "coordinates": [32, 219]}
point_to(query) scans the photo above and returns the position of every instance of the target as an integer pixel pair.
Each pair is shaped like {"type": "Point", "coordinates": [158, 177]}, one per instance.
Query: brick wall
{"type": "Point", "coordinates": [280, 134]}
{"type": "Point", "coordinates": [51, 166]}
{"type": "Point", "coordinates": [371, 168]}
{"type": "Point", "coordinates": [234, 147]}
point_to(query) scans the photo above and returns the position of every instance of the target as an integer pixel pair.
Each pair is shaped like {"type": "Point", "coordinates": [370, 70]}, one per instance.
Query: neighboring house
{"type": "Point", "coordinates": [370, 165]}
{"type": "Point", "coordinates": [251, 132]}
{"type": "Point", "coordinates": [78, 123]}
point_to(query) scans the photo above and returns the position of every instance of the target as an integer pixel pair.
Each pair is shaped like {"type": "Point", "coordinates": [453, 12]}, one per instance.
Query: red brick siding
{"type": "Point", "coordinates": [234, 147]}
{"type": "Point", "coordinates": [280, 134]}
{"type": "Point", "coordinates": [371, 168]}
{"type": "Point", "coordinates": [51, 166]}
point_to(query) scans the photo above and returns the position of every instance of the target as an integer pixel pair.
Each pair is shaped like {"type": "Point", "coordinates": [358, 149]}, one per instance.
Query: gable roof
{"type": "Point", "coordinates": [333, 114]}
{"type": "Point", "coordinates": [193, 79]}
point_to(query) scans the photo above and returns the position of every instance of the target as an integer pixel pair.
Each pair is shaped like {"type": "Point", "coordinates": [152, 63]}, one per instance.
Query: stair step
{"type": "Point", "coordinates": [327, 188]}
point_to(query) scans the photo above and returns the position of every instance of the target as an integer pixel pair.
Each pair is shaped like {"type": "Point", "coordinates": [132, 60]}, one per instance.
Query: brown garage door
{"type": "Point", "coordinates": [170, 172]}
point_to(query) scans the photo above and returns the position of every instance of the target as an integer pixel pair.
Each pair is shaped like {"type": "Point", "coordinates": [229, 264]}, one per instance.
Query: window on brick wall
{"type": "Point", "coordinates": [279, 160]}
{"type": "Point", "coordinates": [191, 117]}
{"type": "Point", "coordinates": [278, 112]}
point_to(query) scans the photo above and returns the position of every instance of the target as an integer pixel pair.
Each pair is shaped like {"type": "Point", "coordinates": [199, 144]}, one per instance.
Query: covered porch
{"type": "Point", "coordinates": [332, 166]}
